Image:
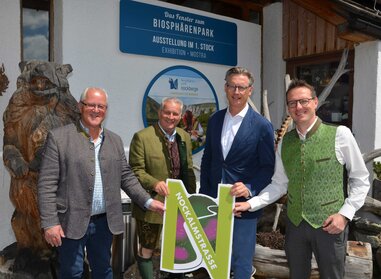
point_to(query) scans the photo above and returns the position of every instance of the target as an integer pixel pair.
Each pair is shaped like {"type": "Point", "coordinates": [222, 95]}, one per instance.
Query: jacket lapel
{"type": "Point", "coordinates": [243, 132]}
{"type": "Point", "coordinates": [218, 131]}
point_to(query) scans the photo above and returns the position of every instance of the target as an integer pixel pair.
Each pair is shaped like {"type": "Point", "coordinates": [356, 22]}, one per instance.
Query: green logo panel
{"type": "Point", "coordinates": [197, 231]}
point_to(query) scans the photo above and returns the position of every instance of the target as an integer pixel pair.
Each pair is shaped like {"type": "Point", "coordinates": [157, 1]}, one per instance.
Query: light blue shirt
{"type": "Point", "coordinates": [98, 204]}
{"type": "Point", "coordinates": [169, 137]}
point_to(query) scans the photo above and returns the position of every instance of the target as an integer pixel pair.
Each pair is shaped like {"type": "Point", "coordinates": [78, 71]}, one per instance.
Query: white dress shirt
{"type": "Point", "coordinates": [230, 128]}
{"type": "Point", "coordinates": [347, 152]}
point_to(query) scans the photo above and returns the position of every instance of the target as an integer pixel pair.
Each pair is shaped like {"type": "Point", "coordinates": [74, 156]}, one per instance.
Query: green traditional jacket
{"type": "Point", "coordinates": [315, 187]}
{"type": "Point", "coordinates": [150, 160]}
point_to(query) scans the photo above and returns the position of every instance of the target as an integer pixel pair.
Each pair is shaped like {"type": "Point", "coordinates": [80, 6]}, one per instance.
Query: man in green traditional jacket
{"type": "Point", "coordinates": [156, 153]}
{"type": "Point", "coordinates": [309, 166]}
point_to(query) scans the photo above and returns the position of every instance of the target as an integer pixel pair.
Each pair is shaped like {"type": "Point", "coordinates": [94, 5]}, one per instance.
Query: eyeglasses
{"type": "Point", "coordinates": [94, 106]}
{"type": "Point", "coordinates": [302, 102]}
{"type": "Point", "coordinates": [233, 88]}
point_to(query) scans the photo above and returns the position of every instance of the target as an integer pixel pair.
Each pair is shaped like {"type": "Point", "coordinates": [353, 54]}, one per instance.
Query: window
{"type": "Point", "coordinates": [318, 71]}
{"type": "Point", "coordinates": [36, 30]}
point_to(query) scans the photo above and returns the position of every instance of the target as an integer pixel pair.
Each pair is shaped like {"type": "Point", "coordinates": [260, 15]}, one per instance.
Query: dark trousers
{"type": "Point", "coordinates": [244, 240]}
{"type": "Point", "coordinates": [329, 251]}
{"type": "Point", "coordinates": [97, 241]}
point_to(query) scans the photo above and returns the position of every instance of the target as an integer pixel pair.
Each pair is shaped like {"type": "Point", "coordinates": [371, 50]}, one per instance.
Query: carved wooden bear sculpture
{"type": "Point", "coordinates": [41, 102]}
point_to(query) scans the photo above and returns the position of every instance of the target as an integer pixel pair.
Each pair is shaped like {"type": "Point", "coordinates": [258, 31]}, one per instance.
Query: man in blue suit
{"type": "Point", "coordinates": [239, 150]}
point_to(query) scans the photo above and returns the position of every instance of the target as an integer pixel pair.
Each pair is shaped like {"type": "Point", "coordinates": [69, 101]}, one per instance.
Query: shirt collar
{"type": "Point", "coordinates": [303, 136]}
{"type": "Point", "coordinates": [87, 131]}
{"type": "Point", "coordinates": [241, 114]}
{"type": "Point", "coordinates": [169, 137]}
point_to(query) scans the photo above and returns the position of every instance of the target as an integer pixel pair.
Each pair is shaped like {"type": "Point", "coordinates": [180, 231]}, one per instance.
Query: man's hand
{"type": "Point", "coordinates": [335, 224]}
{"type": "Point", "coordinates": [157, 206]}
{"type": "Point", "coordinates": [161, 188]}
{"type": "Point", "coordinates": [239, 190]}
{"type": "Point", "coordinates": [53, 235]}
{"type": "Point", "coordinates": [240, 207]}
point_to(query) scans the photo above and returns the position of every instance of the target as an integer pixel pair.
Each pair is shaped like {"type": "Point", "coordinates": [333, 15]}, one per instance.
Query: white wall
{"type": "Point", "coordinates": [10, 57]}
{"type": "Point", "coordinates": [366, 96]}
{"type": "Point", "coordinates": [274, 67]}
{"type": "Point", "coordinates": [91, 45]}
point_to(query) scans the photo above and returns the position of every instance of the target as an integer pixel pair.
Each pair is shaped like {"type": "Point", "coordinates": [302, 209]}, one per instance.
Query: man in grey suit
{"type": "Point", "coordinates": [82, 171]}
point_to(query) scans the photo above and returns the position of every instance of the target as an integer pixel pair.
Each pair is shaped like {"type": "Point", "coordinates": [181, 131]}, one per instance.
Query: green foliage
{"type": "Point", "coordinates": [377, 169]}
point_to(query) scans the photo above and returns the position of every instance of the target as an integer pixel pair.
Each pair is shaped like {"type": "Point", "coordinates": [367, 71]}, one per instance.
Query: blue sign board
{"type": "Point", "coordinates": [156, 31]}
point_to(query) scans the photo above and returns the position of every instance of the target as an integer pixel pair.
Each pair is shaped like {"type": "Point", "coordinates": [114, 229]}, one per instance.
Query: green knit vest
{"type": "Point", "coordinates": [315, 187]}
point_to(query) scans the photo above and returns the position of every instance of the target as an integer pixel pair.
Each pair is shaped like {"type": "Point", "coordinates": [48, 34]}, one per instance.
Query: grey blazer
{"type": "Point", "coordinates": [66, 180]}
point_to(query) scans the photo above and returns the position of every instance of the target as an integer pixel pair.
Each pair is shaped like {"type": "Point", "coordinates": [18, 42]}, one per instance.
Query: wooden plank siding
{"type": "Point", "coordinates": [305, 33]}
{"type": "Point", "coordinates": [311, 25]}
{"type": "Point", "coordinates": [285, 28]}
{"type": "Point", "coordinates": [319, 35]}
{"type": "Point", "coordinates": [293, 33]}
{"type": "Point", "coordinates": [330, 37]}
{"type": "Point", "coordinates": [301, 39]}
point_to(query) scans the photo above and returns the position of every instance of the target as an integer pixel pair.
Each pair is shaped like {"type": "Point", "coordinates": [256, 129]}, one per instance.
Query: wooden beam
{"type": "Point", "coordinates": [323, 9]}
{"type": "Point", "coordinates": [244, 4]}
{"type": "Point", "coordinates": [43, 5]}
{"type": "Point", "coordinates": [346, 33]}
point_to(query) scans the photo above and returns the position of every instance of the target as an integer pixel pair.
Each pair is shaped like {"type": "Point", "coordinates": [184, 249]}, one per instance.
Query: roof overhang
{"type": "Point", "coordinates": [359, 18]}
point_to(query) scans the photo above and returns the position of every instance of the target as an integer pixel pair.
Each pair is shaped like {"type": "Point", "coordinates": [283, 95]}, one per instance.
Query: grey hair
{"type": "Point", "coordinates": [172, 99]}
{"type": "Point", "coordinates": [240, 71]}
{"type": "Point", "coordinates": [84, 93]}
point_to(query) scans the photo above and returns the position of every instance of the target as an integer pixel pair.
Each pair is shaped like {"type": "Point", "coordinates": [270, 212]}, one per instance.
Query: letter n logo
{"type": "Point", "coordinates": [197, 231]}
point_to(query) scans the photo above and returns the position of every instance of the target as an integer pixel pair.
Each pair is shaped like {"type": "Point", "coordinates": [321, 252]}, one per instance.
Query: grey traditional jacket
{"type": "Point", "coordinates": [66, 180]}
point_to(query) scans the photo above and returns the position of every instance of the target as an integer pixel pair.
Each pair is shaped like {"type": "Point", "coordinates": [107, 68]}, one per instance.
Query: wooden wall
{"type": "Point", "coordinates": [304, 33]}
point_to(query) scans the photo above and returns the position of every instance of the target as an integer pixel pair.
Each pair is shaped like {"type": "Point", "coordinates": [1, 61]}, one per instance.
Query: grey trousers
{"type": "Point", "coordinates": [329, 251]}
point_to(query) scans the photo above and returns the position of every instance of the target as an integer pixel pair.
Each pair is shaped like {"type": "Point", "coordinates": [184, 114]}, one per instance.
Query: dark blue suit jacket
{"type": "Point", "coordinates": [250, 160]}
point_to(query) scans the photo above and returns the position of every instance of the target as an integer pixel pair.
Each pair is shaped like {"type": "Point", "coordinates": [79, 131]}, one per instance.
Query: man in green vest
{"type": "Point", "coordinates": [309, 168]}
{"type": "Point", "coordinates": [159, 152]}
